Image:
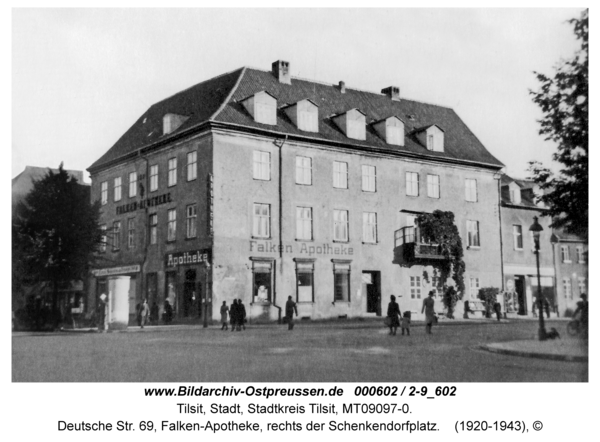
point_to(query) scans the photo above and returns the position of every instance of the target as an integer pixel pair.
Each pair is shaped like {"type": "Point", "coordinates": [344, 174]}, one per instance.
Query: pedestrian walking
{"type": "Point", "coordinates": [242, 311]}
{"type": "Point", "coordinates": [546, 305]}
{"type": "Point", "coordinates": [498, 310]}
{"type": "Point", "coordinates": [583, 310]}
{"type": "Point", "coordinates": [290, 309]}
{"type": "Point", "coordinates": [393, 314]}
{"type": "Point", "coordinates": [144, 313]}
{"type": "Point", "coordinates": [428, 308]}
{"type": "Point", "coordinates": [138, 315]}
{"type": "Point", "coordinates": [233, 315]}
{"type": "Point", "coordinates": [406, 322]}
{"type": "Point", "coordinates": [224, 313]}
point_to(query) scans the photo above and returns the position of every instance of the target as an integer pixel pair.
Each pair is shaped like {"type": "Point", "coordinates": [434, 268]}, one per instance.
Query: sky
{"type": "Point", "coordinates": [82, 77]}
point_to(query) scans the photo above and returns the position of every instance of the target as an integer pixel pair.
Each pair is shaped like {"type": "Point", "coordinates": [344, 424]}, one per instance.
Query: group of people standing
{"type": "Point", "coordinates": [395, 318]}
{"type": "Point", "coordinates": [236, 313]}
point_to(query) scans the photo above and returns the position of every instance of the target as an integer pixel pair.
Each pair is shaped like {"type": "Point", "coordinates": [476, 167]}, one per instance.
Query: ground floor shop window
{"type": "Point", "coordinates": [189, 294]}
{"type": "Point", "coordinates": [341, 281]}
{"type": "Point", "coordinates": [170, 292]}
{"type": "Point", "coordinates": [262, 281]}
{"type": "Point", "coordinates": [305, 281]}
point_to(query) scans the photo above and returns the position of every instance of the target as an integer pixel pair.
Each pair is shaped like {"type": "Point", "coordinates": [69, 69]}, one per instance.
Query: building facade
{"type": "Point", "coordinates": [563, 256]}
{"type": "Point", "coordinates": [258, 186]}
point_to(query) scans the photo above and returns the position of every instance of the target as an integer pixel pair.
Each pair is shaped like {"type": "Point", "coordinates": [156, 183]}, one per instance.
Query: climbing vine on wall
{"type": "Point", "coordinates": [439, 228]}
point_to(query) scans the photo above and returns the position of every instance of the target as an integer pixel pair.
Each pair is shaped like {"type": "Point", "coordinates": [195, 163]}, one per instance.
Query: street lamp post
{"type": "Point", "coordinates": [536, 230]}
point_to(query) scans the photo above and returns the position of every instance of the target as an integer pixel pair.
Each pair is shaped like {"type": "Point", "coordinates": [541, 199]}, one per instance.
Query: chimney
{"type": "Point", "coordinates": [342, 87]}
{"type": "Point", "coordinates": [393, 92]}
{"type": "Point", "coordinates": [281, 70]}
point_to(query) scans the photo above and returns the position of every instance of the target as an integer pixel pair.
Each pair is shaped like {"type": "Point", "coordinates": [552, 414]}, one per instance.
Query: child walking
{"type": "Point", "coordinates": [406, 322]}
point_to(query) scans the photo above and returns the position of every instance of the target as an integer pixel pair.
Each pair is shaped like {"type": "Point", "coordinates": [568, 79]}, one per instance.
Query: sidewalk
{"type": "Point", "coordinates": [566, 349]}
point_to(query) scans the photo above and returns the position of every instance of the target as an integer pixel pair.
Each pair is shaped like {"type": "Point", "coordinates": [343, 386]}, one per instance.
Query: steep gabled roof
{"type": "Point", "coordinates": [218, 101]}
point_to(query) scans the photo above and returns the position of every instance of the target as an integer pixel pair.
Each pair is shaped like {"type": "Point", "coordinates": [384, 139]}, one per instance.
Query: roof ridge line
{"type": "Point", "coordinates": [229, 95]}
{"type": "Point", "coordinates": [324, 83]}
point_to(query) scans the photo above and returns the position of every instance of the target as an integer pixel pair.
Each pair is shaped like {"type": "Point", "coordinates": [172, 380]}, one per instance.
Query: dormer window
{"type": "Point", "coordinates": [514, 192]}
{"type": "Point", "coordinates": [171, 122]}
{"type": "Point", "coordinates": [352, 123]}
{"type": "Point", "coordinates": [263, 107]}
{"type": "Point", "coordinates": [391, 130]}
{"type": "Point", "coordinates": [305, 115]}
{"type": "Point", "coordinates": [432, 137]}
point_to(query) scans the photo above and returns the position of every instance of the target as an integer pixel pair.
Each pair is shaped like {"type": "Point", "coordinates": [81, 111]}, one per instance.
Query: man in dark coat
{"type": "Point", "coordinates": [242, 312]}
{"type": "Point", "coordinates": [290, 309]}
{"type": "Point", "coordinates": [233, 314]}
{"type": "Point", "coordinates": [498, 310]}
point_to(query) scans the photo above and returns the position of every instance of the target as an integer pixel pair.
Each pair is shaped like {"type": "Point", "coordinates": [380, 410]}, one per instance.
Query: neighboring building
{"type": "Point", "coordinates": [563, 257]}
{"type": "Point", "coordinates": [70, 292]}
{"type": "Point", "coordinates": [570, 255]}
{"type": "Point", "coordinates": [290, 187]}
{"type": "Point", "coordinates": [518, 208]}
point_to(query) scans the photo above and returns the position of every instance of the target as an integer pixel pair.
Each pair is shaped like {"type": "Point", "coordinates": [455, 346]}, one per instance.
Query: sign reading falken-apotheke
{"type": "Point", "coordinates": [148, 202]}
{"type": "Point", "coordinates": [187, 258]}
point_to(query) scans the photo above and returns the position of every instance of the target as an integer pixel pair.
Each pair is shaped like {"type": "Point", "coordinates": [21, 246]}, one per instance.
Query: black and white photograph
{"type": "Point", "coordinates": [300, 197]}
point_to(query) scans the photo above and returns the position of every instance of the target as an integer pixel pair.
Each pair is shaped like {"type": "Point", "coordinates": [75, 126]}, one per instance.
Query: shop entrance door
{"type": "Point", "coordinates": [189, 293]}
{"type": "Point", "coordinates": [372, 289]}
{"type": "Point", "coordinates": [520, 290]}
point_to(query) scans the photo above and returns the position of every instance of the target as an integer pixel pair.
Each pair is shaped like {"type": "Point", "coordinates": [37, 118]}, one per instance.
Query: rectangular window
{"type": "Point", "coordinates": [131, 233]}
{"type": "Point", "coordinates": [116, 235]}
{"type": "Point", "coordinates": [304, 223]}
{"type": "Point", "coordinates": [436, 285]}
{"type": "Point", "coordinates": [154, 178]}
{"type": "Point", "coordinates": [262, 165]}
{"type": "Point", "coordinates": [473, 233]}
{"type": "Point", "coordinates": [430, 142]}
{"type": "Point", "coordinates": [190, 221]}
{"type": "Point", "coordinates": [410, 233]}
{"type": "Point", "coordinates": [518, 237]}
{"type": "Point", "coordinates": [369, 227]}
{"type": "Point", "coordinates": [103, 238]}
{"type": "Point", "coordinates": [580, 255]}
{"type": "Point", "coordinates": [340, 225]}
{"type": "Point", "coordinates": [192, 169]}
{"type": "Point", "coordinates": [581, 285]}
{"type": "Point", "coordinates": [412, 184]}
{"type": "Point", "coordinates": [369, 178]}
{"type": "Point", "coordinates": [304, 170]}
{"type": "Point", "coordinates": [565, 254]}
{"type": "Point", "coordinates": [305, 291]}
{"type": "Point", "coordinates": [471, 190]}
{"type": "Point", "coordinates": [340, 175]}
{"type": "Point", "coordinates": [172, 177]}
{"type": "Point", "coordinates": [415, 287]}
{"type": "Point", "coordinates": [153, 228]}
{"type": "Point", "coordinates": [118, 189]}
{"type": "Point", "coordinates": [104, 192]}
{"type": "Point", "coordinates": [261, 227]}
{"type": "Point", "coordinates": [473, 288]}
{"type": "Point", "coordinates": [262, 275]}
{"type": "Point", "coordinates": [433, 186]}
{"type": "Point", "coordinates": [172, 225]}
{"type": "Point", "coordinates": [567, 288]}
{"type": "Point", "coordinates": [341, 282]}
{"type": "Point", "coordinates": [132, 184]}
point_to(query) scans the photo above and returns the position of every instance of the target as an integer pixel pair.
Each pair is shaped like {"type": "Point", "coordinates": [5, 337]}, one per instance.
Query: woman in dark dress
{"type": "Point", "coordinates": [393, 314]}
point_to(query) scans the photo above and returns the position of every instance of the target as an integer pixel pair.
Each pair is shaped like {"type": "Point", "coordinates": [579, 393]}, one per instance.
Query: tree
{"type": "Point", "coordinates": [55, 232]}
{"type": "Point", "coordinates": [489, 296]}
{"type": "Point", "coordinates": [439, 228]}
{"type": "Point", "coordinates": [564, 102]}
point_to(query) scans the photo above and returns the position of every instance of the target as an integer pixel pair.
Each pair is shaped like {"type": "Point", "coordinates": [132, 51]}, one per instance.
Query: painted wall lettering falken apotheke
{"type": "Point", "coordinates": [148, 202]}
{"type": "Point", "coordinates": [300, 248]}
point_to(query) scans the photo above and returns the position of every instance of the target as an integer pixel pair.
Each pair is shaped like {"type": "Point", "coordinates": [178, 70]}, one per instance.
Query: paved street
{"type": "Point", "coordinates": [333, 352]}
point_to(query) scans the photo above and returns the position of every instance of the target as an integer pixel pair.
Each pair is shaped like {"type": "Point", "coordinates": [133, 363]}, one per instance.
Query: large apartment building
{"type": "Point", "coordinates": [256, 185]}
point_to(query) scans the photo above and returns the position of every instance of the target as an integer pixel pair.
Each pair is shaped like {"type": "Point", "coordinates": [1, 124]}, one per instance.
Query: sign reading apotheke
{"type": "Point", "coordinates": [187, 258]}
